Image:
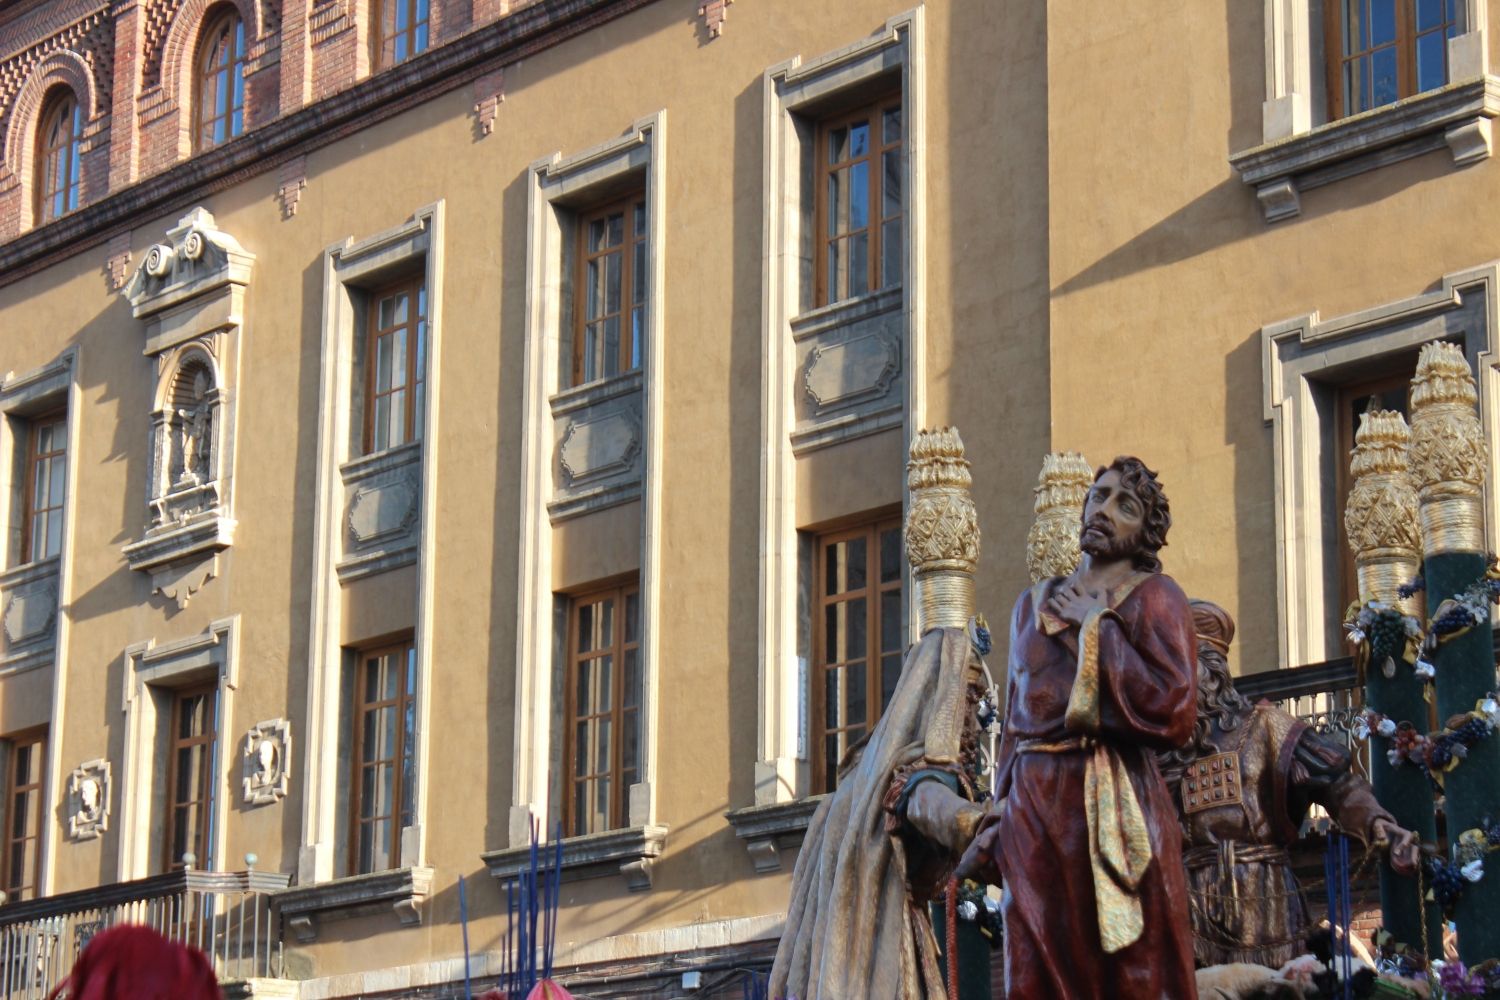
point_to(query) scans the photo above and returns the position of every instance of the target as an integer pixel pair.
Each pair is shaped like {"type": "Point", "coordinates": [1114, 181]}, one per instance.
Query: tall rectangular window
{"type": "Point", "coordinates": [610, 291]}
{"type": "Point", "coordinates": [385, 718]}
{"type": "Point", "coordinates": [859, 640]}
{"type": "Point", "coordinates": [604, 702]}
{"type": "Point", "coordinates": [1380, 51]}
{"type": "Point", "coordinates": [193, 757]}
{"type": "Point", "coordinates": [396, 363]}
{"type": "Point", "coordinates": [45, 487]}
{"type": "Point", "coordinates": [401, 30]}
{"type": "Point", "coordinates": [20, 866]}
{"type": "Point", "coordinates": [860, 196]}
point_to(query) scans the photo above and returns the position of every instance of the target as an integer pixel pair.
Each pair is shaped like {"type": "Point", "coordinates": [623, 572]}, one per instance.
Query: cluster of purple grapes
{"type": "Point", "coordinates": [1471, 731]}
{"type": "Point", "coordinates": [1387, 635]}
{"type": "Point", "coordinates": [1447, 882]}
{"type": "Point", "coordinates": [1409, 590]}
{"type": "Point", "coordinates": [1455, 618]}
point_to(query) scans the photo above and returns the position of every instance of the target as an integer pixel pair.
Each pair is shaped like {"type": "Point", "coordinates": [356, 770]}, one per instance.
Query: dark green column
{"type": "Point", "coordinates": [1449, 460]}
{"type": "Point", "coordinates": [1386, 537]}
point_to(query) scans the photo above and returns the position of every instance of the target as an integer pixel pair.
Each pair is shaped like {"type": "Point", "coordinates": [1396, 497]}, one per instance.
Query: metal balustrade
{"type": "Point", "coordinates": [226, 915]}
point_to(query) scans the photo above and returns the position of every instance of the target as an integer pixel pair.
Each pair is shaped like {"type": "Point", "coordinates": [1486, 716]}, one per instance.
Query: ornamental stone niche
{"type": "Point", "coordinates": [88, 800]}
{"type": "Point", "coordinates": [268, 748]}
{"type": "Point", "coordinates": [190, 293]}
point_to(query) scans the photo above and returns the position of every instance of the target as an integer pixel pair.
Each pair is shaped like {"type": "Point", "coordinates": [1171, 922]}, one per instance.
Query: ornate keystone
{"type": "Point", "coordinates": [1380, 518]}
{"type": "Point", "coordinates": [942, 529]}
{"type": "Point", "coordinates": [1447, 451]}
{"type": "Point", "coordinates": [1061, 488]}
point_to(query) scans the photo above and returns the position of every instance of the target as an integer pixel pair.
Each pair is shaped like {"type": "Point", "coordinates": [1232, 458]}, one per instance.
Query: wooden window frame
{"type": "Point", "coordinates": [382, 40]}
{"type": "Point", "coordinates": [29, 738]}
{"type": "Point", "coordinates": [1336, 58]}
{"type": "Point", "coordinates": [202, 846]}
{"type": "Point", "coordinates": [404, 701]}
{"type": "Point", "coordinates": [61, 105]}
{"type": "Point", "coordinates": [873, 112]}
{"type": "Point", "coordinates": [414, 387]}
{"type": "Point", "coordinates": [619, 800]}
{"type": "Point", "coordinates": [207, 70]}
{"type": "Point", "coordinates": [626, 207]}
{"type": "Point", "coordinates": [29, 510]}
{"type": "Point", "coordinates": [874, 588]}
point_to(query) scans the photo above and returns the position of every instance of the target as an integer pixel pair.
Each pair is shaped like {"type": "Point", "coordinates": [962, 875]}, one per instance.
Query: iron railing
{"type": "Point", "coordinates": [1327, 696]}
{"type": "Point", "coordinates": [226, 915]}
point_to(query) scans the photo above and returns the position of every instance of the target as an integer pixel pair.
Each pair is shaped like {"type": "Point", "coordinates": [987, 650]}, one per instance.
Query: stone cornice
{"type": "Point", "coordinates": [385, 95]}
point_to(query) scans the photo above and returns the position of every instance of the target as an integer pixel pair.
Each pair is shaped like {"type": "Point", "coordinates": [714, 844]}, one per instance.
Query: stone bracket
{"type": "Point", "coordinates": [768, 830]}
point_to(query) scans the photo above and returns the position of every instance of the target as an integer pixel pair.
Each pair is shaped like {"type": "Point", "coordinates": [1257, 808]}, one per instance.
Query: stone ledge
{"type": "Point", "coordinates": [767, 830]}
{"type": "Point", "coordinates": [1456, 116]}
{"type": "Point", "coordinates": [630, 852]}
{"type": "Point", "coordinates": [204, 535]}
{"type": "Point", "coordinates": [244, 989]}
{"type": "Point", "coordinates": [402, 889]}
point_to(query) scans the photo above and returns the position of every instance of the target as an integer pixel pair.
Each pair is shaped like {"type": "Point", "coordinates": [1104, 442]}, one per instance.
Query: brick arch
{"type": "Point", "coordinates": [180, 48]}
{"type": "Point", "coordinates": [63, 69]}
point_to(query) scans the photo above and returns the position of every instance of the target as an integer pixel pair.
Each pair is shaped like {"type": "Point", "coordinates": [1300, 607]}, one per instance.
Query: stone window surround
{"type": "Point", "coordinates": [165, 666]}
{"type": "Point", "coordinates": [554, 184]}
{"type": "Point", "coordinates": [1297, 155]}
{"type": "Point", "coordinates": [348, 267]}
{"type": "Point", "coordinates": [1303, 359]}
{"type": "Point", "coordinates": [790, 87]}
{"type": "Point", "coordinates": [41, 389]}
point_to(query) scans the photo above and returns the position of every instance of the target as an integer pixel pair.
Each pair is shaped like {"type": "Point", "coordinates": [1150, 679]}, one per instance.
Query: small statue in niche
{"type": "Point", "coordinates": [194, 430]}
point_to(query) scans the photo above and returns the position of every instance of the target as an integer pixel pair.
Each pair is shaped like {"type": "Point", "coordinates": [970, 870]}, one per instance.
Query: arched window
{"type": "Point", "coordinates": [59, 145]}
{"type": "Point", "coordinates": [220, 108]}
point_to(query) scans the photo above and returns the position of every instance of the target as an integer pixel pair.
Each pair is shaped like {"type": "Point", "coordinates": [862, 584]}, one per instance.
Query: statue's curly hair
{"type": "Point", "coordinates": [1141, 481]}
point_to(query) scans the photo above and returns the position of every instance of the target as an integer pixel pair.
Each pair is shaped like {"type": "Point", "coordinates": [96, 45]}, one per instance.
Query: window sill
{"type": "Point", "coordinates": [631, 852]}
{"type": "Point", "coordinates": [821, 318]}
{"type": "Point", "coordinates": [767, 830]}
{"type": "Point", "coordinates": [402, 889]}
{"type": "Point", "coordinates": [1456, 116]}
{"type": "Point", "coordinates": [592, 393]}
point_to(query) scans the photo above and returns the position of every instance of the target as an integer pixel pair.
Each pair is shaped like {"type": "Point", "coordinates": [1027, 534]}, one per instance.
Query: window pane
{"type": "Point", "coordinates": [838, 279]}
{"type": "Point", "coordinates": [1432, 70]}
{"type": "Point", "coordinates": [890, 673]}
{"type": "Point", "coordinates": [630, 754]}
{"type": "Point", "coordinates": [859, 264]}
{"type": "Point", "coordinates": [838, 145]}
{"type": "Point", "coordinates": [1382, 22]}
{"type": "Point", "coordinates": [398, 357]}
{"type": "Point", "coordinates": [837, 209]}
{"type": "Point", "coordinates": [632, 692]}
{"type": "Point", "coordinates": [1384, 85]}
{"type": "Point", "coordinates": [847, 563]}
{"type": "Point", "coordinates": [600, 818]}
{"type": "Point", "coordinates": [633, 617]}
{"type": "Point", "coordinates": [833, 697]}
{"type": "Point", "coordinates": [396, 419]}
{"type": "Point", "coordinates": [859, 195]}
{"type": "Point", "coordinates": [602, 745]}
{"type": "Point", "coordinates": [890, 183]}
{"type": "Point", "coordinates": [612, 282]}
{"type": "Point", "coordinates": [640, 218]}
{"type": "Point", "coordinates": [890, 555]}
{"type": "Point", "coordinates": [637, 335]}
{"type": "Point", "coordinates": [603, 669]}
{"type": "Point", "coordinates": [612, 345]}
{"type": "Point", "coordinates": [890, 621]}
{"type": "Point", "coordinates": [597, 230]}
{"type": "Point", "coordinates": [1429, 14]}
{"type": "Point", "coordinates": [859, 139]}
{"type": "Point", "coordinates": [580, 808]}
{"type": "Point", "coordinates": [583, 747]}
{"type": "Point", "coordinates": [638, 274]}
{"type": "Point", "coordinates": [892, 125]}
{"type": "Point", "coordinates": [890, 253]}
{"type": "Point", "coordinates": [616, 226]}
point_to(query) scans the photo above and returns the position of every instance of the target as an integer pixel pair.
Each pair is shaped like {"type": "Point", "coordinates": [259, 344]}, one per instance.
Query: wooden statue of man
{"type": "Point", "coordinates": [1083, 831]}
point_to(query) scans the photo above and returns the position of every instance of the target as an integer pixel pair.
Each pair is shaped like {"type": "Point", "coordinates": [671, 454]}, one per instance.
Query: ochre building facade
{"type": "Point", "coordinates": [423, 418]}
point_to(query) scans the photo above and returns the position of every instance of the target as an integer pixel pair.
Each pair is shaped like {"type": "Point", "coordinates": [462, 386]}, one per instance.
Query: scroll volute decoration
{"type": "Point", "coordinates": [942, 529]}
{"type": "Point", "coordinates": [1447, 451]}
{"type": "Point", "coordinates": [1380, 518]}
{"type": "Point", "coordinates": [1061, 488]}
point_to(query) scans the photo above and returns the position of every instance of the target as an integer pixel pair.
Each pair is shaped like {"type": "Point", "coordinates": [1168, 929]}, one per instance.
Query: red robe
{"type": "Point", "coordinates": [1139, 694]}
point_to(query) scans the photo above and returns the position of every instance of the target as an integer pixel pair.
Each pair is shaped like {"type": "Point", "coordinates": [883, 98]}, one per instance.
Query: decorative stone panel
{"type": "Point", "coordinates": [268, 750]}
{"type": "Point", "coordinates": [850, 370]}
{"type": "Point", "coordinates": [28, 614]}
{"type": "Point", "coordinates": [89, 788]}
{"type": "Point", "coordinates": [382, 511]}
{"type": "Point", "coordinates": [599, 434]}
{"type": "Point", "coordinates": [190, 293]}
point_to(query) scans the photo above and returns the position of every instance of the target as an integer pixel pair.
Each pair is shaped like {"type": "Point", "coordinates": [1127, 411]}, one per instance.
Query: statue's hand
{"type": "Point", "coordinates": [980, 860]}
{"type": "Point", "coordinates": [1072, 603]}
{"type": "Point", "coordinates": [943, 816]}
{"type": "Point", "coordinates": [1404, 850]}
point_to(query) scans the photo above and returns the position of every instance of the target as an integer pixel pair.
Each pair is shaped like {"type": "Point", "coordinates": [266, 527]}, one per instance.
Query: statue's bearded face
{"type": "Point", "coordinates": [1113, 516]}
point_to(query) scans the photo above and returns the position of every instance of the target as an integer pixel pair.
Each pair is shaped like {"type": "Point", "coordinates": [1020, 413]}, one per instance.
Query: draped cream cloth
{"type": "Point", "coordinates": [852, 931]}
